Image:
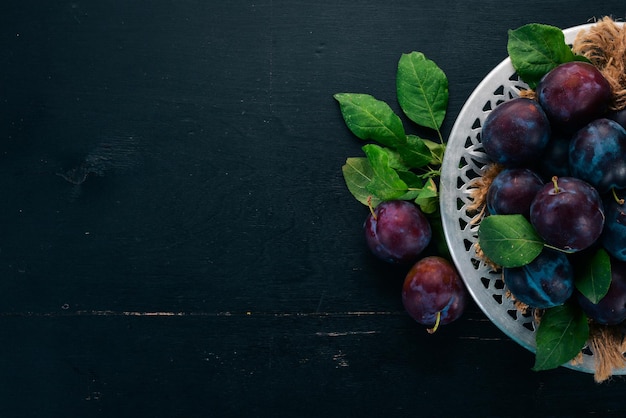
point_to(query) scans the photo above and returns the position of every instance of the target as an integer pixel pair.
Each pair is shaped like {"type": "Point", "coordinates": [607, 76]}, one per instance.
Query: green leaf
{"type": "Point", "coordinates": [535, 49]}
{"type": "Point", "coordinates": [561, 335]}
{"type": "Point", "coordinates": [437, 150]}
{"type": "Point", "coordinates": [415, 153]}
{"type": "Point", "coordinates": [428, 205]}
{"type": "Point", "coordinates": [369, 118]}
{"type": "Point", "coordinates": [358, 173]}
{"type": "Point", "coordinates": [509, 240]}
{"type": "Point", "coordinates": [429, 190]}
{"type": "Point", "coordinates": [428, 198]}
{"type": "Point", "coordinates": [413, 182]}
{"type": "Point", "coordinates": [422, 89]}
{"type": "Point", "coordinates": [593, 277]}
{"type": "Point", "coordinates": [581, 58]}
{"type": "Point", "coordinates": [385, 183]}
{"type": "Point", "coordinates": [395, 160]}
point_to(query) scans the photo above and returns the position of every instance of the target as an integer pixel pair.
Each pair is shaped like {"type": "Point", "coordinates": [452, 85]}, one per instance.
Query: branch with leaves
{"type": "Point", "coordinates": [398, 165]}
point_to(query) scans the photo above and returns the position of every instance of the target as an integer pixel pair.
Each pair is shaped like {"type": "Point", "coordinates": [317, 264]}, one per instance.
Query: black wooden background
{"type": "Point", "coordinates": [176, 239]}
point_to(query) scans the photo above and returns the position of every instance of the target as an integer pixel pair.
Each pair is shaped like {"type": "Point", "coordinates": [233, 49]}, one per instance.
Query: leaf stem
{"type": "Point", "coordinates": [557, 249]}
{"type": "Point", "coordinates": [430, 172]}
{"type": "Point", "coordinates": [440, 136]}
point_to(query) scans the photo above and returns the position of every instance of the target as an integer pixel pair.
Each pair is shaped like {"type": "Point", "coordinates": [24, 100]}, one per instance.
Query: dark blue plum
{"type": "Point", "coordinates": [397, 231]}
{"type": "Point", "coordinates": [545, 282]}
{"type": "Point", "coordinates": [568, 214]}
{"type": "Point", "coordinates": [618, 116]}
{"type": "Point", "coordinates": [597, 155]}
{"type": "Point", "coordinates": [573, 94]}
{"type": "Point", "coordinates": [515, 132]}
{"type": "Point", "coordinates": [611, 309]}
{"type": "Point", "coordinates": [613, 237]}
{"type": "Point", "coordinates": [512, 191]}
{"type": "Point", "coordinates": [555, 159]}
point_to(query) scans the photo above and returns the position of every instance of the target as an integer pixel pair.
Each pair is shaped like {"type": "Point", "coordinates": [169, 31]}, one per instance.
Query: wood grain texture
{"type": "Point", "coordinates": [176, 239]}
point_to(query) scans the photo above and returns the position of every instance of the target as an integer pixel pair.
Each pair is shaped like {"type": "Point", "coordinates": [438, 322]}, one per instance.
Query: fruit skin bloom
{"type": "Point", "coordinates": [613, 236]}
{"type": "Point", "coordinates": [515, 132]}
{"type": "Point", "coordinates": [573, 94]}
{"type": "Point", "coordinates": [596, 155]}
{"type": "Point", "coordinates": [545, 282]}
{"type": "Point", "coordinates": [433, 288]}
{"type": "Point", "coordinates": [568, 214]}
{"type": "Point", "coordinates": [397, 231]}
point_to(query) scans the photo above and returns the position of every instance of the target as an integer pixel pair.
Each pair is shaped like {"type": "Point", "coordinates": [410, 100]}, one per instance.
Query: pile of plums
{"type": "Point", "coordinates": [397, 232]}
{"type": "Point", "coordinates": [563, 155]}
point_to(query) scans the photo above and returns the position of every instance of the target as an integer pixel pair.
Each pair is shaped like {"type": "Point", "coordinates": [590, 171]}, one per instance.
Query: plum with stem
{"type": "Point", "coordinates": [433, 294]}
{"type": "Point", "coordinates": [397, 231]}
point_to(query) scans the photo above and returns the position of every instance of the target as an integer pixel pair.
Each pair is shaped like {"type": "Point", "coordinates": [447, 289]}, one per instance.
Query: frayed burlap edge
{"type": "Point", "coordinates": [608, 346]}
{"type": "Point", "coordinates": [478, 189]}
{"type": "Point", "coordinates": [604, 44]}
{"type": "Point", "coordinates": [528, 94]}
{"type": "Point", "coordinates": [522, 307]}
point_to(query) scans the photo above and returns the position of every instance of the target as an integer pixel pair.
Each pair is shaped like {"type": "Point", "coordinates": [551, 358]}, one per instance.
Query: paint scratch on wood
{"type": "Point", "coordinates": [481, 338]}
{"type": "Point", "coordinates": [341, 360]}
{"type": "Point", "coordinates": [343, 334]}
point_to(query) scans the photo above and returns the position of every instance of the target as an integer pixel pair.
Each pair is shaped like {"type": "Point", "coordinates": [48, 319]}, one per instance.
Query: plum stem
{"type": "Point", "coordinates": [616, 197]}
{"type": "Point", "coordinates": [369, 205]}
{"type": "Point", "coordinates": [555, 181]}
{"type": "Point", "coordinates": [437, 321]}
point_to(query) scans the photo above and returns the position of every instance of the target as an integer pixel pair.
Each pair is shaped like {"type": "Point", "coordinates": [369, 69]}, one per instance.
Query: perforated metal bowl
{"type": "Point", "coordinates": [463, 161]}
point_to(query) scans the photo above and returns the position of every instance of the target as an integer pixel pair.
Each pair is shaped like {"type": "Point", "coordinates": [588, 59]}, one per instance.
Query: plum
{"type": "Point", "coordinates": [555, 159]}
{"type": "Point", "coordinates": [515, 132]}
{"type": "Point", "coordinates": [568, 214]}
{"type": "Point", "coordinates": [596, 155]}
{"type": "Point", "coordinates": [613, 237]}
{"type": "Point", "coordinates": [512, 191]}
{"type": "Point", "coordinates": [397, 231]}
{"type": "Point", "coordinates": [545, 282]}
{"type": "Point", "coordinates": [611, 309]}
{"type": "Point", "coordinates": [573, 94]}
{"type": "Point", "coordinates": [433, 294]}
{"type": "Point", "coordinates": [618, 116]}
